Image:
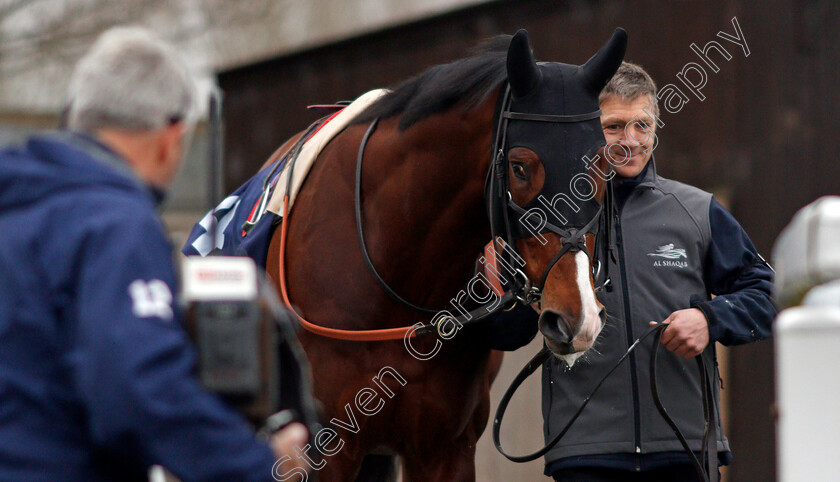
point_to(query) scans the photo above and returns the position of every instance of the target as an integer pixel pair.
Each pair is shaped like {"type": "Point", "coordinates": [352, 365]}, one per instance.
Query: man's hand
{"type": "Point", "coordinates": [283, 443]}
{"type": "Point", "coordinates": [687, 334]}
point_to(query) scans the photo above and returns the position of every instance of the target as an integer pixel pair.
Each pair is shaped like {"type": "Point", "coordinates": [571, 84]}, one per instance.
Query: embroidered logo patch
{"type": "Point", "coordinates": [669, 256]}
{"type": "Point", "coordinates": [151, 298]}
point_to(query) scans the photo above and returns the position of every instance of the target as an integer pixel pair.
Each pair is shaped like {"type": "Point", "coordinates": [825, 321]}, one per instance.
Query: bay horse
{"type": "Point", "coordinates": [424, 207]}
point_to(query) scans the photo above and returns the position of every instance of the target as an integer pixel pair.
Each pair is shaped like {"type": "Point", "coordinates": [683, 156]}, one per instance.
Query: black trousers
{"type": "Point", "coordinates": [675, 473]}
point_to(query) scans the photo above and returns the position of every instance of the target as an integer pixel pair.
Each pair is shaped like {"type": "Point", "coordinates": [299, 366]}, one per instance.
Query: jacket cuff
{"type": "Point", "coordinates": [510, 330]}
{"type": "Point", "coordinates": [711, 317]}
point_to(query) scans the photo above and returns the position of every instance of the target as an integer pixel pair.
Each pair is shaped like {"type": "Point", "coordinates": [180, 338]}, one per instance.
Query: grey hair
{"type": "Point", "coordinates": [629, 83]}
{"type": "Point", "coordinates": [129, 79]}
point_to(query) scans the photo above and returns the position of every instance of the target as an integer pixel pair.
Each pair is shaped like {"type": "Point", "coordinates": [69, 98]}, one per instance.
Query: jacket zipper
{"type": "Point", "coordinates": [629, 325]}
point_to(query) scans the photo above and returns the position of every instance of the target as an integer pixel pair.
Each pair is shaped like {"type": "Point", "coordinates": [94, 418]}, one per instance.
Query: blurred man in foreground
{"type": "Point", "coordinates": [96, 371]}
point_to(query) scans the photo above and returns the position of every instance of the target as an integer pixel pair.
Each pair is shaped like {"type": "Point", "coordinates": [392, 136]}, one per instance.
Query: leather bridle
{"type": "Point", "coordinates": [499, 202]}
{"type": "Point", "coordinates": [500, 205]}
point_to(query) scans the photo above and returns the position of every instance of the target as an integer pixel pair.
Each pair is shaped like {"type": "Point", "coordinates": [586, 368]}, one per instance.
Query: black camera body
{"type": "Point", "coordinates": [247, 347]}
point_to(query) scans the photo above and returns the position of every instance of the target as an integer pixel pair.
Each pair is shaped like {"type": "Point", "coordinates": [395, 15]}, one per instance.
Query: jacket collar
{"type": "Point", "coordinates": [647, 177]}
{"type": "Point", "coordinates": [625, 186]}
{"type": "Point", "coordinates": [105, 155]}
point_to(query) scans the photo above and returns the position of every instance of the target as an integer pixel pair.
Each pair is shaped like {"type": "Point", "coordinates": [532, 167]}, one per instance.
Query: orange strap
{"type": "Point", "coordinates": [491, 268]}
{"type": "Point", "coordinates": [352, 335]}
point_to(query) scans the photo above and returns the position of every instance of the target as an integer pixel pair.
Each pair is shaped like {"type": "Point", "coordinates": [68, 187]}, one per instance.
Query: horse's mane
{"type": "Point", "coordinates": [466, 82]}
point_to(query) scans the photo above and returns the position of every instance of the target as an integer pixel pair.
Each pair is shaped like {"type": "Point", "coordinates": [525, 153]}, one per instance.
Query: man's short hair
{"type": "Point", "coordinates": [129, 79]}
{"type": "Point", "coordinates": [629, 83]}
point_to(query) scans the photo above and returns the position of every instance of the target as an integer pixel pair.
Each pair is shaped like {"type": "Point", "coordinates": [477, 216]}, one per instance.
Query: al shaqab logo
{"type": "Point", "coordinates": [670, 256]}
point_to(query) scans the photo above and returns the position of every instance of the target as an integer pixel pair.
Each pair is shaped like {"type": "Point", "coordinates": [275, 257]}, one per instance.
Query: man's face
{"type": "Point", "coordinates": [630, 133]}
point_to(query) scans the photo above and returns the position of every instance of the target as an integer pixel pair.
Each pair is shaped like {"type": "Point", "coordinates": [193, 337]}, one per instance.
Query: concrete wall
{"type": "Point", "coordinates": [40, 41]}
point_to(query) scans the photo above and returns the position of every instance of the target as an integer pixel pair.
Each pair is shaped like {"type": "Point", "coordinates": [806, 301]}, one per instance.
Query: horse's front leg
{"type": "Point", "coordinates": [341, 467]}
{"type": "Point", "coordinates": [452, 459]}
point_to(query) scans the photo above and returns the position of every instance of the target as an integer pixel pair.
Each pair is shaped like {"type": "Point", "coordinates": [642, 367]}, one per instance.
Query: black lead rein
{"type": "Point", "coordinates": [709, 473]}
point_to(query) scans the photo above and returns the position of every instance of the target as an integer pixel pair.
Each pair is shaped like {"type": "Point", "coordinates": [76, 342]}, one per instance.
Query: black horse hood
{"type": "Point", "coordinates": [568, 133]}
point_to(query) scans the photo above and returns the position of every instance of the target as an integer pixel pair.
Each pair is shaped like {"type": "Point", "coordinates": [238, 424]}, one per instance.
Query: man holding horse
{"type": "Point", "coordinates": [674, 247]}
{"type": "Point", "coordinates": [96, 371]}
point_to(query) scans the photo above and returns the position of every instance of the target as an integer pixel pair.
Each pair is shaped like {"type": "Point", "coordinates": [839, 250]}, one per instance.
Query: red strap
{"type": "Point", "coordinates": [331, 117]}
{"type": "Point", "coordinates": [251, 214]}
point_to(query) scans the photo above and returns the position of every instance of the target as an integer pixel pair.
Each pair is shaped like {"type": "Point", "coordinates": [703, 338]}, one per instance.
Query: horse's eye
{"type": "Point", "coordinates": [519, 170]}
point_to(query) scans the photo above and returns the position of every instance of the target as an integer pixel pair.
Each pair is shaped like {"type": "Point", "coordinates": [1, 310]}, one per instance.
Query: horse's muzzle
{"type": "Point", "coordinates": [560, 336]}
{"type": "Point", "coordinates": [558, 333]}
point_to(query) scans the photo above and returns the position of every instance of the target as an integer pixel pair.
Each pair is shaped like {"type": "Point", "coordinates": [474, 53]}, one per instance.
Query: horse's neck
{"type": "Point", "coordinates": [423, 202]}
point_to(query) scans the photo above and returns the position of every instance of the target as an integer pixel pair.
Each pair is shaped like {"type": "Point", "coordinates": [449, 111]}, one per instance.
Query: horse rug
{"type": "Point", "coordinates": [245, 220]}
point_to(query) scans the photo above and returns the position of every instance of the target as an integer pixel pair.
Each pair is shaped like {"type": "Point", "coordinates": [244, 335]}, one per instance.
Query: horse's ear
{"type": "Point", "coordinates": [523, 74]}
{"type": "Point", "coordinates": [598, 70]}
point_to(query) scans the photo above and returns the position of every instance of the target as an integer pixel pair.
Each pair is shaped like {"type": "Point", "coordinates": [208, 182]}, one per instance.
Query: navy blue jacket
{"type": "Point", "coordinates": [96, 371]}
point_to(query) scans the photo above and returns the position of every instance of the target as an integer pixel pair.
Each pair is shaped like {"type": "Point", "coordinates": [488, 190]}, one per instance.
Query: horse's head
{"type": "Point", "coordinates": [548, 142]}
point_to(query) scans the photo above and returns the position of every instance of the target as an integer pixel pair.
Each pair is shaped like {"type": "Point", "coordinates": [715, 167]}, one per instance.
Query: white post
{"type": "Point", "coordinates": [808, 393]}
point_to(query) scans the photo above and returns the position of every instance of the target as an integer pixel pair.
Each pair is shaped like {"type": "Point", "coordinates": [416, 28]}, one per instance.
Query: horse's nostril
{"type": "Point", "coordinates": [554, 327]}
{"type": "Point", "coordinates": [603, 314]}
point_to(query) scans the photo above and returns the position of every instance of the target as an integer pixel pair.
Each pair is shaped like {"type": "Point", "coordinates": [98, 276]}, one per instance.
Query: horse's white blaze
{"type": "Point", "coordinates": [590, 325]}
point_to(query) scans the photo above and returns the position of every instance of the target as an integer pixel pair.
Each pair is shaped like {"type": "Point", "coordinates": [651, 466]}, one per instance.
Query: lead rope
{"type": "Point", "coordinates": [708, 452]}
{"type": "Point", "coordinates": [707, 474]}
